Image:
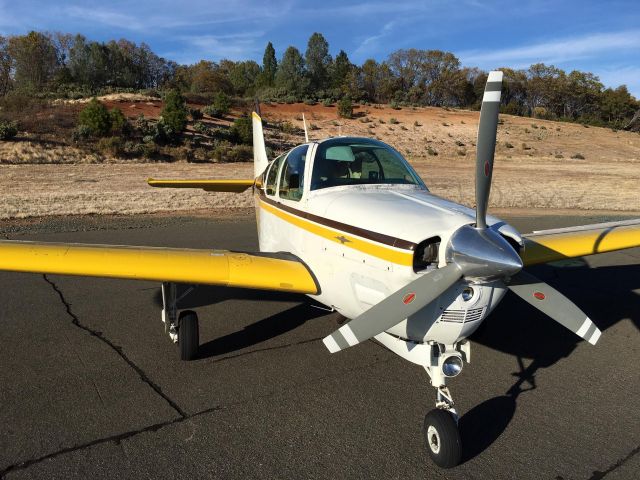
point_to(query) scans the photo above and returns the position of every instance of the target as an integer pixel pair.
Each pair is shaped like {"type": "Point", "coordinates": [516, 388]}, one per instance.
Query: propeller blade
{"type": "Point", "coordinates": [550, 301]}
{"type": "Point", "coordinates": [486, 144]}
{"type": "Point", "coordinates": [395, 308]}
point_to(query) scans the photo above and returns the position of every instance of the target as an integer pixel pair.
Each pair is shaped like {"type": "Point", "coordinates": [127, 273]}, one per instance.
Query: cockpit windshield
{"type": "Point", "coordinates": [359, 161]}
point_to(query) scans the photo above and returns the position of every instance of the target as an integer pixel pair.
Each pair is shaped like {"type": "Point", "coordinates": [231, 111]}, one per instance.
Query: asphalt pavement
{"type": "Point", "coordinates": [91, 387]}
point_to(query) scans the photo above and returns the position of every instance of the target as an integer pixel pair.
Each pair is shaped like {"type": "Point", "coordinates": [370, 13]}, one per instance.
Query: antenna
{"type": "Point", "coordinates": [306, 134]}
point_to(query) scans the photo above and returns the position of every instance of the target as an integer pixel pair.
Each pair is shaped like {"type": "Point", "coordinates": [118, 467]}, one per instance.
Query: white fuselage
{"type": "Point", "coordinates": [359, 241]}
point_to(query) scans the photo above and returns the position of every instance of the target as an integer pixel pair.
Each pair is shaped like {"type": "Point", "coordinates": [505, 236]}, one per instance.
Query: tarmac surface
{"type": "Point", "coordinates": [91, 387]}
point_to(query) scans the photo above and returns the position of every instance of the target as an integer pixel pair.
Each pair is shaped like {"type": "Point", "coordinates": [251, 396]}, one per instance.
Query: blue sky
{"type": "Point", "coordinates": [597, 36]}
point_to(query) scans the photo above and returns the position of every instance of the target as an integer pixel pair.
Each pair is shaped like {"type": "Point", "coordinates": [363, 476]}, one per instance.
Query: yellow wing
{"type": "Point", "coordinates": [180, 265]}
{"type": "Point", "coordinates": [552, 245]}
{"type": "Point", "coordinates": [220, 185]}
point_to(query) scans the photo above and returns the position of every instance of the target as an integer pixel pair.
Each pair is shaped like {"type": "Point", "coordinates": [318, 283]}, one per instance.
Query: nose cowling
{"type": "Point", "coordinates": [482, 253]}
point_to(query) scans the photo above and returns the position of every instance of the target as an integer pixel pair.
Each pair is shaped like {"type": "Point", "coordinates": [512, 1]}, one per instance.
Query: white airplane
{"type": "Point", "coordinates": [348, 222]}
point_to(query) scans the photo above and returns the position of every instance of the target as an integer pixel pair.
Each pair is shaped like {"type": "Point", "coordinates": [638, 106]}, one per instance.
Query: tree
{"type": "Point", "coordinates": [5, 67]}
{"type": "Point", "coordinates": [291, 73]}
{"type": "Point", "coordinates": [174, 113]}
{"type": "Point", "coordinates": [339, 69]}
{"type": "Point", "coordinates": [318, 61]}
{"type": "Point", "coordinates": [96, 118]}
{"type": "Point", "coordinates": [34, 60]}
{"type": "Point", "coordinates": [269, 66]}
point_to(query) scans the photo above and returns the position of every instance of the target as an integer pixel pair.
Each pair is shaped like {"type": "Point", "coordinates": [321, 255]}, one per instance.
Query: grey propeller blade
{"type": "Point", "coordinates": [395, 308]}
{"type": "Point", "coordinates": [486, 144]}
{"type": "Point", "coordinates": [550, 301]}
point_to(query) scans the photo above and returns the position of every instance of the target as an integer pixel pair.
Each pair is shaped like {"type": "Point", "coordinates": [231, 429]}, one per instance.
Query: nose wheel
{"type": "Point", "coordinates": [442, 438]}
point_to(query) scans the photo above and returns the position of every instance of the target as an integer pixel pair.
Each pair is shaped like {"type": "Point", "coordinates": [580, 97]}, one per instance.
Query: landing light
{"type": "Point", "coordinates": [467, 294]}
{"type": "Point", "coordinates": [452, 366]}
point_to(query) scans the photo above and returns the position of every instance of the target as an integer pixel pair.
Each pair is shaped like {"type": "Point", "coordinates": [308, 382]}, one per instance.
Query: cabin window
{"type": "Point", "coordinates": [292, 174]}
{"type": "Point", "coordinates": [359, 161]}
{"type": "Point", "coordinates": [272, 176]}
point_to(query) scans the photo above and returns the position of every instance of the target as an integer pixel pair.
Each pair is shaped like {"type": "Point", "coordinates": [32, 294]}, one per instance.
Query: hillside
{"type": "Point", "coordinates": [538, 162]}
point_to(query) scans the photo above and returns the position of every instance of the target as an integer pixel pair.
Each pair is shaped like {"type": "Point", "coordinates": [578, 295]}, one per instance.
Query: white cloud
{"type": "Point", "coordinates": [554, 51]}
{"type": "Point", "coordinates": [105, 17]}
{"type": "Point", "coordinates": [241, 46]}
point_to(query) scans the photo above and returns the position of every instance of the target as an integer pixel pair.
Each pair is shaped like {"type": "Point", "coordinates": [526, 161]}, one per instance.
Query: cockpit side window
{"type": "Point", "coordinates": [292, 174]}
{"type": "Point", "coordinates": [272, 176]}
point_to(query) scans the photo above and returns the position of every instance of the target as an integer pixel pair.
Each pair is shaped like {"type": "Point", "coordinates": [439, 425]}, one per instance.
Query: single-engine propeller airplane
{"type": "Point", "coordinates": [348, 222]}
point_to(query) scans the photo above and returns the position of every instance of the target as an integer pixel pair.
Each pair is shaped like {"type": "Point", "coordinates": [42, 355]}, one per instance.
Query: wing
{"type": "Point", "coordinates": [219, 185]}
{"type": "Point", "coordinates": [552, 245]}
{"type": "Point", "coordinates": [180, 265]}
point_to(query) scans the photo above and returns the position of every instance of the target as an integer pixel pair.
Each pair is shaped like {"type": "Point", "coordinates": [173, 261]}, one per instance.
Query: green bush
{"type": "Point", "coordinates": [195, 113]}
{"type": "Point", "coordinates": [242, 131]}
{"type": "Point", "coordinates": [81, 132]}
{"type": "Point", "coordinates": [327, 102]}
{"type": "Point", "coordinates": [395, 105]}
{"type": "Point", "coordinates": [173, 114]}
{"type": "Point", "coordinates": [96, 118]}
{"type": "Point", "coordinates": [225, 152]}
{"type": "Point", "coordinates": [119, 123]}
{"type": "Point", "coordinates": [201, 128]}
{"type": "Point", "coordinates": [393, 121]}
{"type": "Point", "coordinates": [222, 103]}
{"type": "Point", "coordinates": [345, 108]}
{"type": "Point", "coordinates": [8, 130]}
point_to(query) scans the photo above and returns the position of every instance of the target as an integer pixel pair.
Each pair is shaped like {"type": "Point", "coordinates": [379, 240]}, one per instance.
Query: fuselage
{"type": "Point", "coordinates": [365, 241]}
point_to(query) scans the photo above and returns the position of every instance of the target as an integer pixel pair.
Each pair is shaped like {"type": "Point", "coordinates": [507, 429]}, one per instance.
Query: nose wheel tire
{"type": "Point", "coordinates": [442, 438]}
{"type": "Point", "coordinates": [188, 335]}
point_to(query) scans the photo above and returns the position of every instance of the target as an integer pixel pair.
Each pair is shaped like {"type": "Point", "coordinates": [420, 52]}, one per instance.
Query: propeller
{"type": "Point", "coordinates": [472, 252]}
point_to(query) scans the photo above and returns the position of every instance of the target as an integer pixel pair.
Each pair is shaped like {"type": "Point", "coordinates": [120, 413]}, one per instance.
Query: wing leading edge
{"type": "Point", "coordinates": [214, 185]}
{"type": "Point", "coordinates": [212, 267]}
{"type": "Point", "coordinates": [558, 244]}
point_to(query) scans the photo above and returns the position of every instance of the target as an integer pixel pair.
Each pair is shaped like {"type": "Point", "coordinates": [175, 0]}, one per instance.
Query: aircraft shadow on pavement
{"type": "Point", "coordinates": [255, 333]}
{"type": "Point", "coordinates": [605, 294]}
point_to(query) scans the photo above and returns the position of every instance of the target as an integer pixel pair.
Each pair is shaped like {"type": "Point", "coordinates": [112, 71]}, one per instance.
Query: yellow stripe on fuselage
{"type": "Point", "coordinates": [388, 254]}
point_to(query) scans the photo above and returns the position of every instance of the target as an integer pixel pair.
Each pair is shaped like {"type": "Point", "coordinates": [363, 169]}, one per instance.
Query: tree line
{"type": "Point", "coordinates": [57, 64]}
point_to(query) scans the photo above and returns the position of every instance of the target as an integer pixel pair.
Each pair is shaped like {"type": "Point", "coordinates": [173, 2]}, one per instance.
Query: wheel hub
{"type": "Point", "coordinates": [434, 439]}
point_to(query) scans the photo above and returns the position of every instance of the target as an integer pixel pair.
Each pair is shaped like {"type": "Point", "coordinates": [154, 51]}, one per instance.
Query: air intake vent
{"type": "Point", "coordinates": [462, 316]}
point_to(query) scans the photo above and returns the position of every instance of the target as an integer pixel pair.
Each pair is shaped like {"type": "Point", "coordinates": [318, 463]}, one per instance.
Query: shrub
{"type": "Point", "coordinates": [432, 151]}
{"type": "Point", "coordinates": [395, 105]}
{"type": "Point", "coordinates": [578, 156]}
{"type": "Point", "coordinates": [345, 108]}
{"type": "Point", "coordinates": [174, 114]}
{"type": "Point", "coordinates": [508, 145]}
{"type": "Point", "coordinates": [327, 102]}
{"type": "Point", "coordinates": [417, 124]}
{"type": "Point", "coordinates": [241, 130]}
{"type": "Point", "coordinates": [393, 121]}
{"type": "Point", "coordinates": [459, 143]}
{"type": "Point", "coordinates": [402, 127]}
{"type": "Point", "coordinates": [111, 145]}
{"type": "Point", "coordinates": [8, 130]}
{"type": "Point", "coordinates": [559, 155]}
{"type": "Point", "coordinates": [225, 152]}
{"type": "Point", "coordinates": [526, 147]}
{"type": "Point", "coordinates": [201, 128]}
{"type": "Point", "coordinates": [462, 153]}
{"type": "Point", "coordinates": [222, 103]}
{"type": "Point", "coordinates": [195, 113]}
{"type": "Point", "coordinates": [81, 132]}
{"type": "Point", "coordinates": [96, 118]}
{"type": "Point", "coordinates": [119, 123]}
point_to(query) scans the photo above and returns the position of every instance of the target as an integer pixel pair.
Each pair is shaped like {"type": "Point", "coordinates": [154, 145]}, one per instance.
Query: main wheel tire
{"type": "Point", "coordinates": [188, 335]}
{"type": "Point", "coordinates": [442, 438]}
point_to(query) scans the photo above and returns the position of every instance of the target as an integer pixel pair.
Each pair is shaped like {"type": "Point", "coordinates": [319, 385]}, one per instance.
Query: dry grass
{"type": "Point", "coordinates": [64, 180]}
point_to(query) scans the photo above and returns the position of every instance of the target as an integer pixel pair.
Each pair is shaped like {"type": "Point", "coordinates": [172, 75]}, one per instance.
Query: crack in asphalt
{"type": "Point", "coordinates": [116, 439]}
{"type": "Point", "coordinates": [597, 475]}
{"type": "Point", "coordinates": [141, 373]}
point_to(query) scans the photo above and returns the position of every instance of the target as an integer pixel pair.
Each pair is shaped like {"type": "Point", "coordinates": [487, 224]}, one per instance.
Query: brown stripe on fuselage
{"type": "Point", "coordinates": [360, 232]}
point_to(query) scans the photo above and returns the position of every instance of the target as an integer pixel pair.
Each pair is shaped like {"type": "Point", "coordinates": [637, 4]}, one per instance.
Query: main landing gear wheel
{"type": "Point", "coordinates": [188, 335]}
{"type": "Point", "coordinates": [442, 439]}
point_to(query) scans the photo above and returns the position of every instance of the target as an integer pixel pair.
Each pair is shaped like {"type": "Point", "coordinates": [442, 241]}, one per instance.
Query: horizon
{"type": "Point", "coordinates": [604, 41]}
